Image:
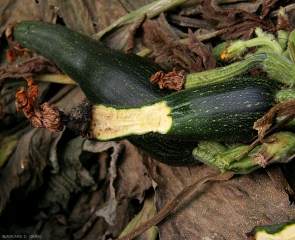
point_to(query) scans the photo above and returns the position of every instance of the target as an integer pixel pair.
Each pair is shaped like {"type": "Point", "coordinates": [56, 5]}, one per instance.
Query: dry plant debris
{"type": "Point", "coordinates": [61, 186]}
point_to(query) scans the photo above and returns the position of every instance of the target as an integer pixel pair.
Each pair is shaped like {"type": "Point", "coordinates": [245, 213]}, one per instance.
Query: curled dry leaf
{"type": "Point", "coordinates": [45, 115]}
{"type": "Point", "coordinates": [267, 6]}
{"type": "Point", "coordinates": [235, 23]}
{"type": "Point", "coordinates": [173, 80]}
{"type": "Point", "coordinates": [284, 24]}
{"type": "Point", "coordinates": [28, 68]}
{"type": "Point", "coordinates": [107, 208]}
{"type": "Point", "coordinates": [283, 109]}
{"type": "Point", "coordinates": [16, 48]}
{"type": "Point", "coordinates": [194, 57]}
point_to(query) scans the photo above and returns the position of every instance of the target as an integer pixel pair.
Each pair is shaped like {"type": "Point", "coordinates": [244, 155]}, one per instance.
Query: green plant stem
{"type": "Point", "coordinates": [277, 67]}
{"type": "Point", "coordinates": [151, 10]}
{"type": "Point", "coordinates": [285, 95]}
{"type": "Point", "coordinates": [280, 150]}
{"type": "Point", "coordinates": [280, 69]}
{"type": "Point", "coordinates": [224, 73]}
{"type": "Point", "coordinates": [54, 78]}
{"type": "Point", "coordinates": [237, 48]}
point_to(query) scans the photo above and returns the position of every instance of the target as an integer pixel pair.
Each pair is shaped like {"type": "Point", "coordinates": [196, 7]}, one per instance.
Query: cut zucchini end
{"type": "Point", "coordinates": [110, 123]}
{"type": "Point", "coordinates": [286, 233]}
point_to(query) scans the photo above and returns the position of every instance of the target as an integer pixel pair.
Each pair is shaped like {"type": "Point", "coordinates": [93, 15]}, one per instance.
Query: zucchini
{"type": "Point", "coordinates": [221, 112]}
{"type": "Point", "coordinates": [106, 76]}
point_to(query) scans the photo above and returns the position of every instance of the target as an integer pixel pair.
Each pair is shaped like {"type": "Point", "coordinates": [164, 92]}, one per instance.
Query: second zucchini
{"type": "Point", "coordinates": [222, 112]}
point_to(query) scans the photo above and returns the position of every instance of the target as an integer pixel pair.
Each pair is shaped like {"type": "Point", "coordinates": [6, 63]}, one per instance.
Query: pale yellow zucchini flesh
{"type": "Point", "coordinates": [110, 123]}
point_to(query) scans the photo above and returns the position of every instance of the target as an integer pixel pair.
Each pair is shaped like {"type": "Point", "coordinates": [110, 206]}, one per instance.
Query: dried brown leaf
{"type": "Point", "coordinates": [173, 80]}
{"type": "Point", "coordinates": [126, 178]}
{"type": "Point", "coordinates": [283, 109]}
{"type": "Point", "coordinates": [194, 57]}
{"type": "Point", "coordinates": [280, 182]}
{"type": "Point", "coordinates": [24, 170]}
{"type": "Point", "coordinates": [83, 16]}
{"type": "Point", "coordinates": [200, 49]}
{"type": "Point", "coordinates": [16, 11]}
{"type": "Point", "coordinates": [234, 22]}
{"type": "Point", "coordinates": [45, 115]}
{"type": "Point", "coordinates": [7, 96]}
{"type": "Point", "coordinates": [28, 68]}
{"type": "Point", "coordinates": [87, 17]}
{"type": "Point", "coordinates": [267, 6]}
{"type": "Point", "coordinates": [175, 202]}
{"type": "Point", "coordinates": [244, 201]}
{"type": "Point", "coordinates": [133, 178]}
{"type": "Point", "coordinates": [284, 24]}
{"type": "Point", "coordinates": [132, 35]}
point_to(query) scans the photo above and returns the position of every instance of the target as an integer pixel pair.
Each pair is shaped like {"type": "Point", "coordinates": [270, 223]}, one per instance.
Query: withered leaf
{"type": "Point", "coordinates": [207, 59]}
{"type": "Point", "coordinates": [25, 167]}
{"type": "Point", "coordinates": [280, 182]}
{"type": "Point", "coordinates": [267, 6]}
{"type": "Point", "coordinates": [194, 57]}
{"type": "Point", "coordinates": [283, 109]}
{"type": "Point", "coordinates": [126, 178]}
{"type": "Point", "coordinates": [234, 22]}
{"type": "Point", "coordinates": [16, 11]}
{"type": "Point", "coordinates": [173, 80]}
{"type": "Point", "coordinates": [79, 15]}
{"type": "Point", "coordinates": [28, 68]}
{"type": "Point", "coordinates": [7, 96]}
{"type": "Point", "coordinates": [244, 201]}
{"type": "Point", "coordinates": [133, 179]}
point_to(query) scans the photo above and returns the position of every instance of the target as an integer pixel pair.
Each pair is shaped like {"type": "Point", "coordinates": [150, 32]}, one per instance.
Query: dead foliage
{"type": "Point", "coordinates": [61, 186]}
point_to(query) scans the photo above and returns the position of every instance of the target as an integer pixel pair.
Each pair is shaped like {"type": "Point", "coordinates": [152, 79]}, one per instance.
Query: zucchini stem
{"type": "Point", "coordinates": [280, 69]}
{"type": "Point", "coordinates": [277, 67]}
{"type": "Point", "coordinates": [224, 73]}
{"type": "Point", "coordinates": [239, 47]}
{"type": "Point", "coordinates": [151, 10]}
{"type": "Point", "coordinates": [279, 148]}
{"type": "Point", "coordinates": [55, 78]}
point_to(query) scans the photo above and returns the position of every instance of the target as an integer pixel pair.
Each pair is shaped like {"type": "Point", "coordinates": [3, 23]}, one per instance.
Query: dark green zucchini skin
{"type": "Point", "coordinates": [222, 111]}
{"type": "Point", "coordinates": [106, 76]}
